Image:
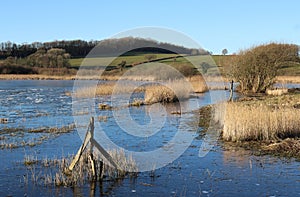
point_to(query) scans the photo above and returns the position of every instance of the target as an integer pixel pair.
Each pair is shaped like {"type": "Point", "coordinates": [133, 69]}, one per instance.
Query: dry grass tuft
{"type": "Point", "coordinates": [137, 103]}
{"type": "Point", "coordinates": [103, 106]}
{"type": "Point", "coordinates": [3, 120]}
{"type": "Point", "coordinates": [277, 92]}
{"type": "Point", "coordinates": [56, 130]}
{"type": "Point", "coordinates": [30, 160]}
{"type": "Point", "coordinates": [198, 84]}
{"type": "Point", "coordinates": [269, 119]}
{"type": "Point", "coordinates": [172, 91]}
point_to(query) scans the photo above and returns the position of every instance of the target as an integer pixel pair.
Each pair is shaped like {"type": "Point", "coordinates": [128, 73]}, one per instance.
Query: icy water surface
{"type": "Point", "coordinates": [224, 171]}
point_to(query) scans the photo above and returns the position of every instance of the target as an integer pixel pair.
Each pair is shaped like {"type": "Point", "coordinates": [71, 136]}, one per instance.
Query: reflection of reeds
{"type": "Point", "coordinates": [261, 120]}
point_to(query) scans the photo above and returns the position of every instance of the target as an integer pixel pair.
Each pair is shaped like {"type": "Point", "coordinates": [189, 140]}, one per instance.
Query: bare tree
{"type": "Point", "coordinates": [256, 68]}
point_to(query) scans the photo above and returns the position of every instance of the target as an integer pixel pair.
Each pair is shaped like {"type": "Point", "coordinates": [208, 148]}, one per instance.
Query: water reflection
{"type": "Point", "coordinates": [236, 156]}
{"type": "Point", "coordinates": [98, 188]}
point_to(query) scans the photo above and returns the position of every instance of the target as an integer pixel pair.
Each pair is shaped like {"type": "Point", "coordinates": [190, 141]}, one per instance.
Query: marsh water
{"type": "Point", "coordinates": [224, 171]}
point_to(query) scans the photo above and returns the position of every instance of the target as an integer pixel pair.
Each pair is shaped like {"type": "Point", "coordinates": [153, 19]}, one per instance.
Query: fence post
{"type": "Point", "coordinates": [91, 156]}
{"type": "Point", "coordinates": [231, 91]}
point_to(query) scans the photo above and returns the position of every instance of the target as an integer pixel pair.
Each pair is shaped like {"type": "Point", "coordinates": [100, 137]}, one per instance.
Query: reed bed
{"type": "Point", "coordinates": [262, 120]}
{"type": "Point", "coordinates": [167, 93]}
{"type": "Point", "coordinates": [173, 91]}
{"type": "Point", "coordinates": [105, 89]}
{"type": "Point", "coordinates": [288, 79]}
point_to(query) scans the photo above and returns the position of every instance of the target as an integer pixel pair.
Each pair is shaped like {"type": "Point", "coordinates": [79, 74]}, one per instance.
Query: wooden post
{"type": "Point", "coordinates": [231, 91]}
{"type": "Point", "coordinates": [91, 156]}
{"type": "Point", "coordinates": [101, 170]}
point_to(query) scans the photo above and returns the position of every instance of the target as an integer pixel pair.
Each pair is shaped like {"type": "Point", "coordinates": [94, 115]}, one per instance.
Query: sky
{"type": "Point", "coordinates": [213, 24]}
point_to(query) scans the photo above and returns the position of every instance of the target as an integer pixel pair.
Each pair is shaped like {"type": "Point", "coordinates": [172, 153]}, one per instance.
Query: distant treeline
{"type": "Point", "coordinates": [107, 47]}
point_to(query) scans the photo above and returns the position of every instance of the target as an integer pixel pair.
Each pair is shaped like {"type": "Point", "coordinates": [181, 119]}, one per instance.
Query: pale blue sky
{"type": "Point", "coordinates": [213, 24]}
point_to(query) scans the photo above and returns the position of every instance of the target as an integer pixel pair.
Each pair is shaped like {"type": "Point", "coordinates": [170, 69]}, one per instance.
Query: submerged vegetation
{"type": "Point", "coordinates": [11, 138]}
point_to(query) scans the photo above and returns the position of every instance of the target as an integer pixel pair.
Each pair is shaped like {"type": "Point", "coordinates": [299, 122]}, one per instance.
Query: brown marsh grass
{"type": "Point", "coordinates": [173, 91]}
{"type": "Point", "coordinates": [153, 93]}
{"type": "Point", "coordinates": [35, 77]}
{"type": "Point", "coordinates": [270, 119]}
{"type": "Point", "coordinates": [277, 92]}
{"type": "Point", "coordinates": [166, 93]}
{"type": "Point", "coordinates": [198, 83]}
{"type": "Point", "coordinates": [105, 89]}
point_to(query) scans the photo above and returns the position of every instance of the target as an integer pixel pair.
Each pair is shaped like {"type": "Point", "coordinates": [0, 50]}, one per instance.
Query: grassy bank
{"type": "Point", "coordinates": [114, 61]}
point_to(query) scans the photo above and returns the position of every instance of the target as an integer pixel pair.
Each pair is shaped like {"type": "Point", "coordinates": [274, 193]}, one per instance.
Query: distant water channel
{"type": "Point", "coordinates": [224, 171]}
